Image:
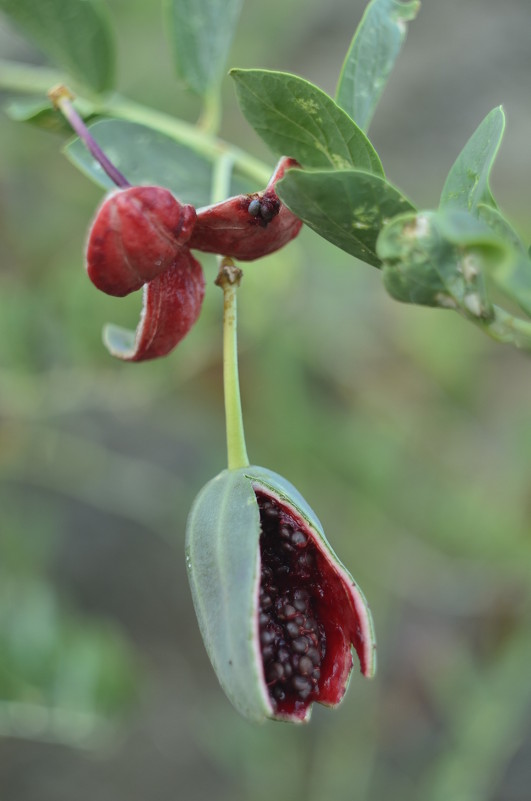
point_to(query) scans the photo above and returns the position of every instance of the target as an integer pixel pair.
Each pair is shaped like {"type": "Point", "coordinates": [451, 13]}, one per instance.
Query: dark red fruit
{"type": "Point", "coordinates": [305, 621]}
{"type": "Point", "coordinates": [136, 235]}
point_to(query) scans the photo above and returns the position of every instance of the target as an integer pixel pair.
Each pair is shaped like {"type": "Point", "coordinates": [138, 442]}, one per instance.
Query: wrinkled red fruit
{"type": "Point", "coordinates": [247, 227]}
{"type": "Point", "coordinates": [172, 303]}
{"type": "Point", "coordinates": [136, 235]}
{"type": "Point", "coordinates": [307, 617]}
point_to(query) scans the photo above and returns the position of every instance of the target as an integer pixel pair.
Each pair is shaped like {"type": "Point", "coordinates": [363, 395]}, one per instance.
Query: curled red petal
{"type": "Point", "coordinates": [136, 235]}
{"type": "Point", "coordinates": [247, 227]}
{"type": "Point", "coordinates": [172, 303]}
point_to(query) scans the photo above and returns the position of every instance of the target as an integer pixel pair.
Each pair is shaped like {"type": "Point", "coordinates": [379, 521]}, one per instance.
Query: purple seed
{"type": "Point", "coordinates": [305, 665]}
{"type": "Point", "coordinates": [254, 207]}
{"type": "Point", "coordinates": [299, 539]}
{"type": "Point", "coordinates": [293, 629]}
{"type": "Point", "coordinates": [274, 672]}
{"type": "Point", "coordinates": [300, 645]}
{"type": "Point", "coordinates": [303, 685]}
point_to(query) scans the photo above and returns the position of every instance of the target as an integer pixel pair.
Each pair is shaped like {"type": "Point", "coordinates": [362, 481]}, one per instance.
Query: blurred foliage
{"type": "Point", "coordinates": [407, 431]}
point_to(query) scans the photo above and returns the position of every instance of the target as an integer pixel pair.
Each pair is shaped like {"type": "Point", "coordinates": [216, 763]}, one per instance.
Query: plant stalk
{"type": "Point", "coordinates": [62, 98]}
{"type": "Point", "coordinates": [228, 279]}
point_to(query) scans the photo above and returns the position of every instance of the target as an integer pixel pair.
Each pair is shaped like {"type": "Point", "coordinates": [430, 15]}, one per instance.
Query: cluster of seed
{"type": "Point", "coordinates": [292, 639]}
{"type": "Point", "coordinates": [265, 208]}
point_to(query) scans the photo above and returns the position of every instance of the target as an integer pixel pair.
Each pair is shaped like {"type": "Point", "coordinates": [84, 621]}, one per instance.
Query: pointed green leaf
{"type": "Point", "coordinates": [74, 34]}
{"type": "Point", "coordinates": [346, 207]}
{"type": "Point", "coordinates": [467, 184]}
{"type": "Point", "coordinates": [297, 119]}
{"type": "Point", "coordinates": [439, 259]}
{"type": "Point", "coordinates": [371, 57]}
{"type": "Point", "coordinates": [201, 32]}
{"type": "Point", "coordinates": [145, 156]}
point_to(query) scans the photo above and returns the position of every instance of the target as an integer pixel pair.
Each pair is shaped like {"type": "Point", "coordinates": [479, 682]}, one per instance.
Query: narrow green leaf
{"type": "Point", "coordinates": [145, 156]}
{"type": "Point", "coordinates": [346, 207]}
{"type": "Point", "coordinates": [201, 32]}
{"type": "Point", "coordinates": [74, 34]}
{"type": "Point", "coordinates": [467, 183]}
{"type": "Point", "coordinates": [439, 259]}
{"type": "Point", "coordinates": [297, 119]}
{"type": "Point", "coordinates": [371, 57]}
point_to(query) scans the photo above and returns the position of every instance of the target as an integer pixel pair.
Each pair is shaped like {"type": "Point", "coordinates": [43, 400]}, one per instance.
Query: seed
{"type": "Point", "coordinates": [300, 645]}
{"type": "Point", "coordinates": [286, 611]}
{"type": "Point", "coordinates": [299, 539]}
{"type": "Point", "coordinates": [274, 672]}
{"type": "Point", "coordinates": [265, 601]}
{"type": "Point", "coordinates": [283, 655]}
{"type": "Point", "coordinates": [314, 655]}
{"type": "Point", "coordinates": [285, 532]}
{"type": "Point", "coordinates": [305, 665]}
{"type": "Point", "coordinates": [293, 629]}
{"type": "Point", "coordinates": [254, 208]}
{"type": "Point", "coordinates": [267, 653]}
{"type": "Point", "coordinates": [287, 547]}
{"type": "Point", "coordinates": [267, 636]}
{"type": "Point", "coordinates": [302, 685]}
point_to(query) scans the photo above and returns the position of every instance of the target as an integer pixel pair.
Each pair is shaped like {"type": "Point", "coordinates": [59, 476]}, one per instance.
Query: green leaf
{"type": "Point", "coordinates": [39, 112]}
{"type": "Point", "coordinates": [439, 259]}
{"type": "Point", "coordinates": [512, 276]}
{"type": "Point", "coordinates": [145, 156]}
{"type": "Point", "coordinates": [467, 184]}
{"type": "Point", "coordinates": [346, 207]}
{"type": "Point", "coordinates": [371, 57]}
{"type": "Point", "coordinates": [297, 119]}
{"type": "Point", "coordinates": [74, 34]}
{"type": "Point", "coordinates": [501, 226]}
{"type": "Point", "coordinates": [201, 33]}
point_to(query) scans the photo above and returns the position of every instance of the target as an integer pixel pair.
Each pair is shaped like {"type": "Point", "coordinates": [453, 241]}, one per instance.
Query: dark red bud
{"type": "Point", "coordinates": [172, 303]}
{"type": "Point", "coordinates": [138, 233]}
{"type": "Point", "coordinates": [247, 227]}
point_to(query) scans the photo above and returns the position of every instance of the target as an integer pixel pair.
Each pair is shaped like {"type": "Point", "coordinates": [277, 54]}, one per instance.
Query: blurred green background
{"type": "Point", "coordinates": [406, 429]}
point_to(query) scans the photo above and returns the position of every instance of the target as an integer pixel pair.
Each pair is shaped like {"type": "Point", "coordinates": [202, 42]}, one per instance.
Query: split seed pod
{"type": "Point", "coordinates": [247, 227]}
{"type": "Point", "coordinates": [136, 235]}
{"type": "Point", "coordinates": [278, 612]}
{"type": "Point", "coordinates": [171, 305]}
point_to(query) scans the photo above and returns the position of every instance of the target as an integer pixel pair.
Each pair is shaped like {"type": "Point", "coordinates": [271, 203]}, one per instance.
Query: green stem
{"type": "Point", "coordinates": [507, 329]}
{"type": "Point", "coordinates": [23, 78]}
{"type": "Point", "coordinates": [211, 115]}
{"type": "Point", "coordinates": [15, 77]}
{"type": "Point", "coordinates": [229, 279]}
{"type": "Point", "coordinates": [221, 176]}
